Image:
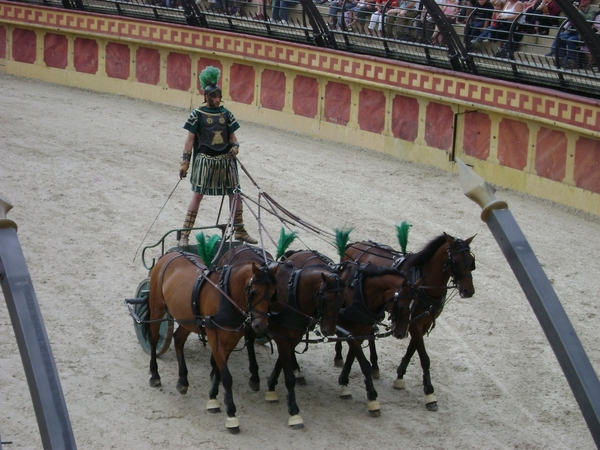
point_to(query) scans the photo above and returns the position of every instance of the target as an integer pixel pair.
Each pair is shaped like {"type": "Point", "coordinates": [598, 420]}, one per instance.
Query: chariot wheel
{"type": "Point", "coordinates": [142, 330]}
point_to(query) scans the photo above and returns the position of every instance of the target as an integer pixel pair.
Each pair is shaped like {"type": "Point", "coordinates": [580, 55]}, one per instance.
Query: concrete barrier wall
{"type": "Point", "coordinates": [533, 140]}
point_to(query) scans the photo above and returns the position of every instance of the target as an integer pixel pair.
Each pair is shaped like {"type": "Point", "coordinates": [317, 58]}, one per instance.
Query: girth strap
{"type": "Point", "coordinates": [227, 315]}
{"type": "Point", "coordinates": [290, 317]}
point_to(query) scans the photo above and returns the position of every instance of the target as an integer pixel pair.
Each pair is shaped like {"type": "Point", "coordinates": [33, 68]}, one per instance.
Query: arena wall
{"type": "Point", "coordinates": [533, 140]}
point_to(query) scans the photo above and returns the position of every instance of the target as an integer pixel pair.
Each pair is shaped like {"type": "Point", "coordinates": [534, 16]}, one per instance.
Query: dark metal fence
{"type": "Point", "coordinates": [533, 59]}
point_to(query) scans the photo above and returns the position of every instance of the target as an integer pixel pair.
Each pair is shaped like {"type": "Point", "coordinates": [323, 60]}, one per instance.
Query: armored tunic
{"type": "Point", "coordinates": [211, 167]}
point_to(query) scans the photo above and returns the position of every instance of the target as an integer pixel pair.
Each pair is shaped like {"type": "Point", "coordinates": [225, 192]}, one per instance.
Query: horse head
{"type": "Point", "coordinates": [404, 307]}
{"type": "Point", "coordinates": [460, 263]}
{"type": "Point", "coordinates": [262, 290]}
{"type": "Point", "coordinates": [330, 298]}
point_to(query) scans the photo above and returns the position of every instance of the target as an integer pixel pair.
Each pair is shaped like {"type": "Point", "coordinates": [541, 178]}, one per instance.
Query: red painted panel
{"type": "Point", "coordinates": [24, 45]}
{"type": "Point", "coordinates": [2, 42]}
{"type": "Point", "coordinates": [337, 103]}
{"type": "Point", "coordinates": [477, 135]}
{"type": "Point", "coordinates": [439, 126]}
{"type": "Point", "coordinates": [203, 64]}
{"type": "Point", "coordinates": [147, 66]}
{"type": "Point", "coordinates": [587, 164]}
{"type": "Point", "coordinates": [241, 84]}
{"type": "Point", "coordinates": [179, 71]}
{"type": "Point", "coordinates": [371, 110]}
{"type": "Point", "coordinates": [85, 55]}
{"type": "Point", "coordinates": [272, 89]}
{"type": "Point", "coordinates": [551, 154]}
{"type": "Point", "coordinates": [513, 138]}
{"type": "Point", "coordinates": [56, 47]}
{"type": "Point", "coordinates": [118, 58]}
{"type": "Point", "coordinates": [405, 118]}
{"type": "Point", "coordinates": [305, 99]}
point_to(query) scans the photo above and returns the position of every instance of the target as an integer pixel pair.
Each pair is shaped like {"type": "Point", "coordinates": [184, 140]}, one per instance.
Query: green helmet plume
{"type": "Point", "coordinates": [402, 233]}
{"type": "Point", "coordinates": [209, 77]}
{"type": "Point", "coordinates": [341, 240]}
{"type": "Point", "coordinates": [207, 250]}
{"type": "Point", "coordinates": [285, 240]}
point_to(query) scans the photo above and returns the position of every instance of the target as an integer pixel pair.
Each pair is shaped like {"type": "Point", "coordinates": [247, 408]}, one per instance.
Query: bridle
{"type": "Point", "coordinates": [337, 290]}
{"type": "Point", "coordinates": [264, 278]}
{"type": "Point", "coordinates": [450, 264]}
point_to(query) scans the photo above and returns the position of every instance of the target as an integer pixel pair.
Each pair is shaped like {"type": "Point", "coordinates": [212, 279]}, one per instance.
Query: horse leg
{"type": "Point", "coordinates": [344, 377]}
{"type": "Point", "coordinates": [338, 360]}
{"type": "Point", "coordinates": [220, 357]}
{"type": "Point", "coordinates": [286, 351]}
{"type": "Point", "coordinates": [213, 404]}
{"type": "Point", "coordinates": [300, 380]}
{"type": "Point", "coordinates": [271, 394]}
{"type": "Point", "coordinates": [401, 370]}
{"type": "Point", "coordinates": [374, 359]}
{"type": "Point", "coordinates": [430, 400]}
{"type": "Point", "coordinates": [154, 376]}
{"type": "Point", "coordinates": [373, 405]}
{"type": "Point", "coordinates": [254, 381]}
{"type": "Point", "coordinates": [180, 336]}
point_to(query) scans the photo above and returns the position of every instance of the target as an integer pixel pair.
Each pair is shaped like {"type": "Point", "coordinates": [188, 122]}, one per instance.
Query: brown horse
{"type": "Point", "coordinates": [217, 303]}
{"type": "Point", "coordinates": [371, 292]}
{"type": "Point", "coordinates": [445, 258]}
{"type": "Point", "coordinates": [309, 293]}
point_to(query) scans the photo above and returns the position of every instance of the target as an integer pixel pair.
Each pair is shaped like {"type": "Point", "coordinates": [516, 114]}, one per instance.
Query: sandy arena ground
{"type": "Point", "coordinates": [88, 173]}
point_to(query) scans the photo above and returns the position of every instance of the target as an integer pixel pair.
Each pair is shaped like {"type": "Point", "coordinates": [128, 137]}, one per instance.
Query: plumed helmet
{"type": "Point", "coordinates": [209, 78]}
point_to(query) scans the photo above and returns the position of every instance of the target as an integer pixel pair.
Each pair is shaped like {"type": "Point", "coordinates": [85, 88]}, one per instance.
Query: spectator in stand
{"type": "Point", "coordinates": [543, 14]}
{"type": "Point", "coordinates": [281, 10]}
{"type": "Point", "coordinates": [569, 39]}
{"type": "Point", "coordinates": [512, 10]}
{"type": "Point", "coordinates": [261, 8]}
{"type": "Point", "coordinates": [376, 22]}
{"type": "Point", "coordinates": [360, 13]}
{"type": "Point", "coordinates": [398, 22]}
{"type": "Point", "coordinates": [480, 18]}
{"type": "Point", "coordinates": [585, 49]}
{"type": "Point", "coordinates": [335, 8]}
{"type": "Point", "coordinates": [451, 11]}
{"type": "Point", "coordinates": [489, 34]}
{"type": "Point", "coordinates": [467, 8]}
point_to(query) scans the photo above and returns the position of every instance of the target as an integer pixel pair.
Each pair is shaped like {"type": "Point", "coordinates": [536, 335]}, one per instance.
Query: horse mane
{"type": "Point", "coordinates": [420, 258]}
{"type": "Point", "coordinates": [371, 270]}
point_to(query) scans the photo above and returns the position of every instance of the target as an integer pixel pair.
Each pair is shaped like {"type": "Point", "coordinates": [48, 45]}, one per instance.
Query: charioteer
{"type": "Point", "coordinates": [210, 143]}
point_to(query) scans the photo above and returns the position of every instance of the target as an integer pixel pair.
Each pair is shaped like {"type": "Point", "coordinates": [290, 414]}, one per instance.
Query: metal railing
{"type": "Point", "coordinates": [529, 59]}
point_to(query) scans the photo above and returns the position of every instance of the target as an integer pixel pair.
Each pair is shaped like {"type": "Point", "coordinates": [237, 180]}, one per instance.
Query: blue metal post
{"type": "Point", "coordinates": [543, 300]}
{"type": "Point", "coordinates": [32, 339]}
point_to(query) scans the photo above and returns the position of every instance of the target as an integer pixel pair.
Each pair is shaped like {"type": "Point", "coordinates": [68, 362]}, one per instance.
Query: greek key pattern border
{"type": "Point", "coordinates": [552, 107]}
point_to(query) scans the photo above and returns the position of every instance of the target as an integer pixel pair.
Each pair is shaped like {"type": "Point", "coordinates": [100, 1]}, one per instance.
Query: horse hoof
{"type": "Point", "coordinates": [271, 396]}
{"type": "Point", "coordinates": [375, 374]}
{"type": "Point", "coordinates": [254, 385]}
{"type": "Point", "coordinates": [374, 408]}
{"type": "Point", "coordinates": [431, 406]}
{"type": "Point", "coordinates": [338, 362]}
{"type": "Point", "coordinates": [431, 402]}
{"type": "Point", "coordinates": [345, 393]}
{"type": "Point", "coordinates": [399, 384]}
{"type": "Point", "coordinates": [182, 389]}
{"type": "Point", "coordinates": [300, 380]}
{"type": "Point", "coordinates": [155, 382]}
{"type": "Point", "coordinates": [233, 425]}
{"type": "Point", "coordinates": [213, 406]}
{"type": "Point", "coordinates": [296, 422]}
